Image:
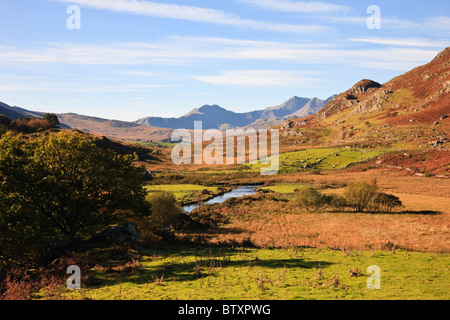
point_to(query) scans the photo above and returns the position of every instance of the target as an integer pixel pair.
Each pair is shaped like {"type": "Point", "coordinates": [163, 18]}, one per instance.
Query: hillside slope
{"type": "Point", "coordinates": [411, 111]}
{"type": "Point", "coordinates": [408, 118]}
{"type": "Point", "coordinates": [120, 130]}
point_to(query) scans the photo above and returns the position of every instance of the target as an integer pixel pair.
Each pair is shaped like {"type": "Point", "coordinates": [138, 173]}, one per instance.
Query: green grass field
{"type": "Point", "coordinates": [284, 188]}
{"type": "Point", "coordinates": [323, 159]}
{"type": "Point", "coordinates": [159, 144]}
{"type": "Point", "coordinates": [185, 193]}
{"type": "Point", "coordinates": [288, 274]}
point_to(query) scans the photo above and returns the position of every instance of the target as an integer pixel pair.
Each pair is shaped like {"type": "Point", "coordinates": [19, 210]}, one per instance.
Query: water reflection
{"type": "Point", "coordinates": [236, 193]}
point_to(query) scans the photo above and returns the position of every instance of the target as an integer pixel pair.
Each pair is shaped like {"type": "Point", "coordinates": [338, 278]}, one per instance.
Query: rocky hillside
{"type": "Point", "coordinates": [411, 111]}
{"type": "Point", "coordinates": [421, 95]}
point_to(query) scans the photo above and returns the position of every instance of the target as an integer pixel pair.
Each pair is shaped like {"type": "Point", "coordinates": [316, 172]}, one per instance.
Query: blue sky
{"type": "Point", "coordinates": [131, 59]}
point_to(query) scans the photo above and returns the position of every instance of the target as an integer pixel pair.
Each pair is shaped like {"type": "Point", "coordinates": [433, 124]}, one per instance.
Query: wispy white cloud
{"type": "Point", "coordinates": [409, 42]}
{"type": "Point", "coordinates": [297, 6]}
{"type": "Point", "coordinates": [30, 85]}
{"type": "Point", "coordinates": [441, 23]}
{"type": "Point", "coordinates": [259, 78]}
{"type": "Point", "coordinates": [435, 25]}
{"type": "Point", "coordinates": [136, 73]}
{"type": "Point", "coordinates": [186, 50]}
{"type": "Point", "coordinates": [197, 14]}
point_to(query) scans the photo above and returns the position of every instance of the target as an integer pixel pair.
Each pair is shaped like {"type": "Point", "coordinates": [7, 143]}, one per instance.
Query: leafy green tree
{"type": "Point", "coordinates": [52, 119]}
{"type": "Point", "coordinates": [360, 195]}
{"type": "Point", "coordinates": [61, 186]}
{"type": "Point", "coordinates": [310, 198]}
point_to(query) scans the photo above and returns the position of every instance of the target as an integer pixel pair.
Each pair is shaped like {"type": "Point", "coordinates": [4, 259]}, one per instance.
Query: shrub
{"type": "Point", "coordinates": [165, 212]}
{"type": "Point", "coordinates": [52, 119]}
{"type": "Point", "coordinates": [30, 125]}
{"type": "Point", "coordinates": [310, 198]}
{"type": "Point", "coordinates": [338, 202]}
{"type": "Point", "coordinates": [385, 202]}
{"type": "Point", "coordinates": [359, 196]}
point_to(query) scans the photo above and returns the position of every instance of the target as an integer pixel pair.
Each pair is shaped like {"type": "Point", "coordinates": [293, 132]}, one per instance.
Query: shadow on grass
{"type": "Point", "coordinates": [173, 266]}
{"type": "Point", "coordinates": [419, 212]}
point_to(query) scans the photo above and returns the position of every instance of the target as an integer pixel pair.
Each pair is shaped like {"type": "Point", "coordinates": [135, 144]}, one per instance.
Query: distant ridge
{"type": "Point", "coordinates": [14, 113]}
{"type": "Point", "coordinates": [120, 130]}
{"type": "Point", "coordinates": [158, 128]}
{"type": "Point", "coordinates": [216, 117]}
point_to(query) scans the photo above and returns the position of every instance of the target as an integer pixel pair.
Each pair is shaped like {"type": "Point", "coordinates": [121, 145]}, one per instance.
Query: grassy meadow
{"type": "Point", "coordinates": [269, 274]}
{"type": "Point", "coordinates": [320, 159]}
{"type": "Point", "coordinates": [186, 193]}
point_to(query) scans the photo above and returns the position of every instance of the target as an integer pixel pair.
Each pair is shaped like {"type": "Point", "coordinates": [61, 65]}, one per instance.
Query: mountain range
{"type": "Point", "coordinates": [412, 108]}
{"type": "Point", "coordinates": [216, 117]}
{"type": "Point", "coordinates": [157, 129]}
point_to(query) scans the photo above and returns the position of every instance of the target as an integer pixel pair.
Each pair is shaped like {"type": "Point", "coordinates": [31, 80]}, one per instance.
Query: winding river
{"type": "Point", "coordinates": [236, 193]}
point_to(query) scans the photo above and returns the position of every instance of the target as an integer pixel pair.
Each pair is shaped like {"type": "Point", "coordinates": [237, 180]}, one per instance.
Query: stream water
{"type": "Point", "coordinates": [236, 193]}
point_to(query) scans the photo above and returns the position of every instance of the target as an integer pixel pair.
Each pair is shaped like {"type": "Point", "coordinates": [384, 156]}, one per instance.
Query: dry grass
{"type": "Point", "coordinates": [389, 180]}
{"type": "Point", "coordinates": [21, 284]}
{"type": "Point", "coordinates": [351, 231]}
{"type": "Point", "coordinates": [422, 225]}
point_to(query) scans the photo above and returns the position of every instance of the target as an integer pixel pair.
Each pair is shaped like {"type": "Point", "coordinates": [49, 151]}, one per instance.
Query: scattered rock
{"type": "Point", "coordinates": [436, 143]}
{"type": "Point", "coordinates": [125, 232]}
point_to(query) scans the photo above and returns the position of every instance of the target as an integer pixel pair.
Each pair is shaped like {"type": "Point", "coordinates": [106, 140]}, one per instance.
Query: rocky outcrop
{"type": "Point", "coordinates": [364, 86]}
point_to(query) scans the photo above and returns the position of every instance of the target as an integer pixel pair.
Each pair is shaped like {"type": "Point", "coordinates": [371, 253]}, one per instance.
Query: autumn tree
{"type": "Point", "coordinates": [60, 186]}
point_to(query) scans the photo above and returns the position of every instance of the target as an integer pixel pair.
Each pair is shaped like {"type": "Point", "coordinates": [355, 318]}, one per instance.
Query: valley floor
{"type": "Point", "coordinates": [279, 274]}
{"type": "Point", "coordinates": [270, 250]}
{"type": "Point", "coordinates": [271, 220]}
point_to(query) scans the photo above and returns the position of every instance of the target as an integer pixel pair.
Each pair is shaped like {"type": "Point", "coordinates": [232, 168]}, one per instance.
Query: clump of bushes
{"type": "Point", "coordinates": [360, 197]}
{"type": "Point", "coordinates": [165, 212]}
{"type": "Point", "coordinates": [28, 124]}
{"type": "Point", "coordinates": [311, 199]}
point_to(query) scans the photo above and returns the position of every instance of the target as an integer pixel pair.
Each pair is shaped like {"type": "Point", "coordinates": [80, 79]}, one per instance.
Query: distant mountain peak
{"type": "Point", "coordinates": [211, 108]}
{"type": "Point", "coordinates": [214, 116]}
